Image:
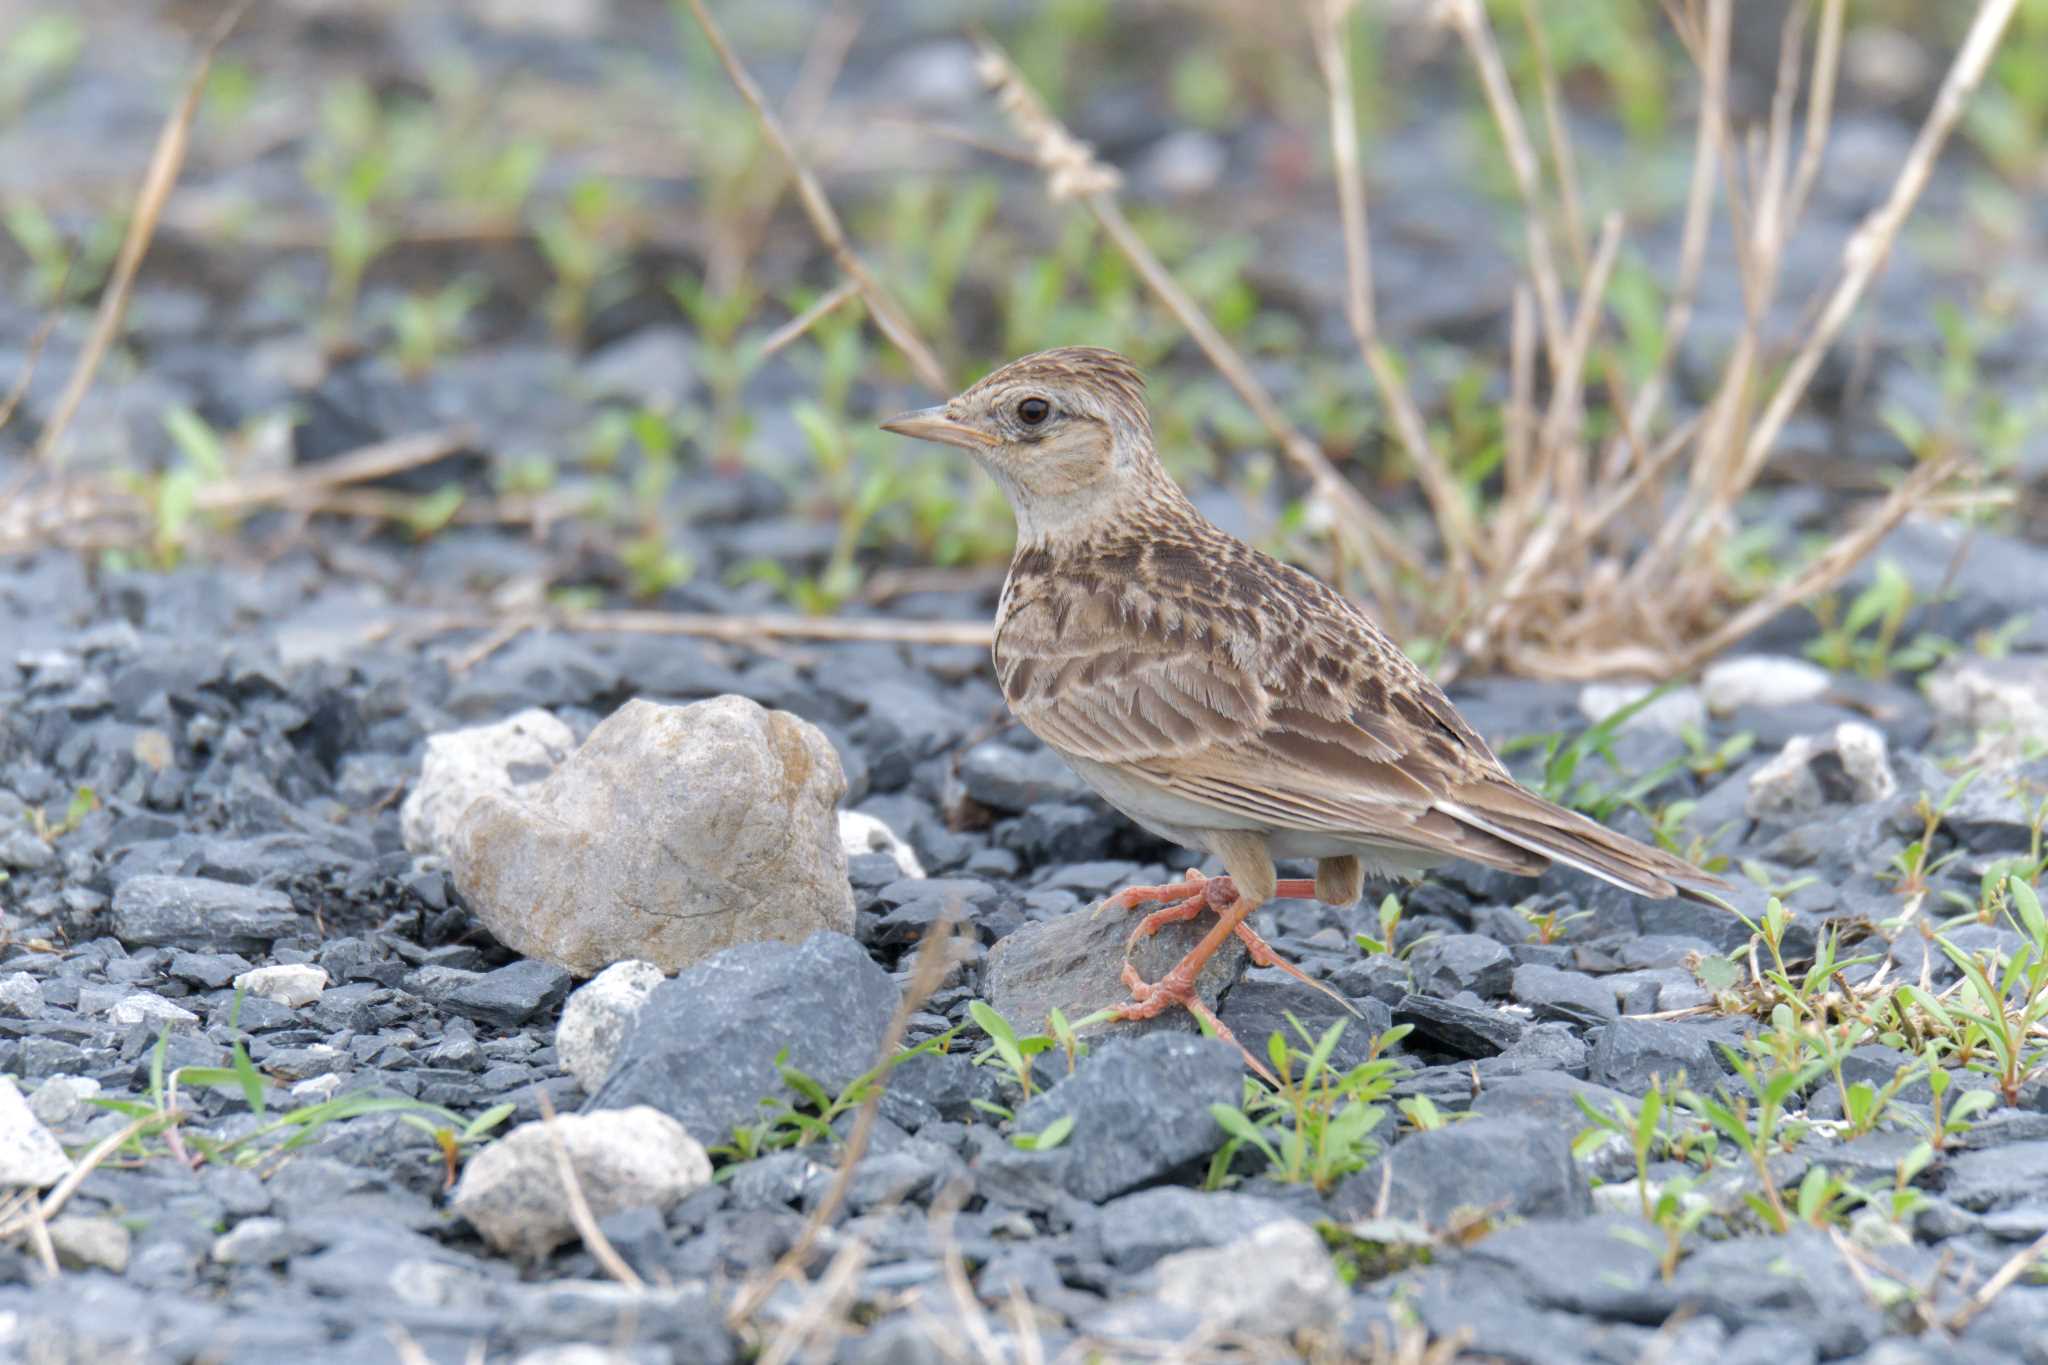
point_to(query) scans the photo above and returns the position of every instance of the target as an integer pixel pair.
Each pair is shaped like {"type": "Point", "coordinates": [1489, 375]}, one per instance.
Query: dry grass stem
{"type": "Point", "coordinates": [363, 465]}
{"type": "Point", "coordinates": [1562, 423]}
{"type": "Point", "coordinates": [33, 1212]}
{"type": "Point", "coordinates": [1566, 593]}
{"type": "Point", "coordinates": [1830, 567]}
{"type": "Point", "coordinates": [1468, 17]}
{"type": "Point", "coordinates": [827, 304]}
{"type": "Point", "coordinates": [822, 1315]}
{"type": "Point", "coordinates": [594, 1241]}
{"type": "Point", "coordinates": [934, 957]}
{"type": "Point", "coordinates": [2015, 1266]}
{"type": "Point", "coordinates": [1562, 159]}
{"type": "Point", "coordinates": [743, 629]}
{"type": "Point", "coordinates": [157, 182]}
{"type": "Point", "coordinates": [1071, 171]}
{"type": "Point", "coordinates": [33, 357]}
{"type": "Point", "coordinates": [881, 305]}
{"type": "Point", "coordinates": [1820, 107]}
{"type": "Point", "coordinates": [973, 1317]}
{"type": "Point", "coordinates": [1447, 500]}
{"type": "Point", "coordinates": [1870, 244]}
{"type": "Point", "coordinates": [98, 513]}
{"type": "Point", "coordinates": [39, 1239]}
{"type": "Point", "coordinates": [1711, 51]}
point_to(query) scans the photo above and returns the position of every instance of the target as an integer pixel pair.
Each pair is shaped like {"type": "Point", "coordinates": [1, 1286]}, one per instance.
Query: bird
{"type": "Point", "coordinates": [1226, 701]}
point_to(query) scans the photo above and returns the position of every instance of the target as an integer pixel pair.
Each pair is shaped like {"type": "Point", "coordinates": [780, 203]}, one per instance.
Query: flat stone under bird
{"type": "Point", "coordinates": [1222, 699]}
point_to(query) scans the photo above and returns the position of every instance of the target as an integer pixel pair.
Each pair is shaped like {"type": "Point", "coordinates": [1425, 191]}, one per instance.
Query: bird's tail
{"type": "Point", "coordinates": [1520, 817]}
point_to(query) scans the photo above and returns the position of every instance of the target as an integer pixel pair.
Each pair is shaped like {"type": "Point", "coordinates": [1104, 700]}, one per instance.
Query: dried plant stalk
{"type": "Point", "coordinates": [1663, 609]}
{"type": "Point", "coordinates": [1453, 512]}
{"type": "Point", "coordinates": [894, 323]}
{"type": "Point", "coordinates": [1870, 244]}
{"type": "Point", "coordinates": [165, 162]}
{"type": "Point", "coordinates": [594, 1241]}
{"type": "Point", "coordinates": [1468, 18]}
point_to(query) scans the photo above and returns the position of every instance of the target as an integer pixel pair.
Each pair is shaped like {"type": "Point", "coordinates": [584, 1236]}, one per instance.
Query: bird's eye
{"type": "Point", "coordinates": [1032, 411]}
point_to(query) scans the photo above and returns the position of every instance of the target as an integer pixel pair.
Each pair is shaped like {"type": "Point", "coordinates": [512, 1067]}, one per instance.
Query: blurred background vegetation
{"type": "Point", "coordinates": [555, 223]}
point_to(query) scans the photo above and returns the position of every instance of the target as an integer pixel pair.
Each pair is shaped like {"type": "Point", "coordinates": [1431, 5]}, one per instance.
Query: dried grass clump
{"type": "Point", "coordinates": [1583, 566]}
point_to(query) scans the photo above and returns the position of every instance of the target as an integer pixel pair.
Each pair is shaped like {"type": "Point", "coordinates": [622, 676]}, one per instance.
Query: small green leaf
{"type": "Point", "coordinates": [486, 1121]}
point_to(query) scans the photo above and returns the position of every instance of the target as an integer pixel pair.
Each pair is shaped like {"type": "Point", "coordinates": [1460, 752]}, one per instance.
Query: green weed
{"type": "Point", "coordinates": [1319, 1125]}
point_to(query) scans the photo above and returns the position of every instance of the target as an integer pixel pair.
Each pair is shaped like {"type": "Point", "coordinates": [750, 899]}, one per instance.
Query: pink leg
{"type": "Point", "coordinates": [1150, 999]}
{"type": "Point", "coordinates": [1218, 893]}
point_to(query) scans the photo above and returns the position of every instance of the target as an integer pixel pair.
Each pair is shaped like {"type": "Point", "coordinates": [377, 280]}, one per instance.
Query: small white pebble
{"type": "Point", "coordinates": [21, 996]}
{"type": "Point", "coordinates": [291, 984]}
{"type": "Point", "coordinates": [61, 1099]}
{"type": "Point", "coordinates": [1761, 680]}
{"type": "Point", "coordinates": [318, 1088]}
{"type": "Point", "coordinates": [1671, 713]}
{"type": "Point", "coordinates": [147, 1007]}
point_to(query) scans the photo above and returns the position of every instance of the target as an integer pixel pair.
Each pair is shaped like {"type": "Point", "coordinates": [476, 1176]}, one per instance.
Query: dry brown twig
{"type": "Point", "coordinates": [97, 513]}
{"type": "Point", "coordinates": [881, 305]}
{"type": "Point", "coordinates": [157, 182]}
{"type": "Point", "coordinates": [737, 629]}
{"type": "Point", "coordinates": [32, 1212]}
{"type": "Point", "coordinates": [827, 304]}
{"type": "Point", "coordinates": [594, 1241]}
{"type": "Point", "coordinates": [1446, 500]}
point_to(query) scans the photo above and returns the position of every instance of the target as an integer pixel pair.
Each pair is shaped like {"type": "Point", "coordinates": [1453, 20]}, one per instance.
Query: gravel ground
{"type": "Point", "coordinates": [262, 888]}
{"type": "Point", "coordinates": [248, 757]}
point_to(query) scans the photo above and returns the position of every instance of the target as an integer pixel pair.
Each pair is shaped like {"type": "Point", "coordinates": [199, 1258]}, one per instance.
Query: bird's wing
{"type": "Point", "coordinates": [1231, 680]}
{"type": "Point", "coordinates": [1301, 730]}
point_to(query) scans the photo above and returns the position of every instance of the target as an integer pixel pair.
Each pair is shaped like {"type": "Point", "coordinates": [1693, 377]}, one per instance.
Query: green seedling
{"type": "Point", "coordinates": [1318, 1126]}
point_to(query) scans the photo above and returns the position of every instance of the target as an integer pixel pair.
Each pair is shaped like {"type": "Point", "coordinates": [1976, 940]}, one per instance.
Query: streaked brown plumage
{"type": "Point", "coordinates": [1218, 697]}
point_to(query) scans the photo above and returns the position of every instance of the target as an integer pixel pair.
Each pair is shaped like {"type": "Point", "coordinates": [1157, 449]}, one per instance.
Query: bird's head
{"type": "Point", "coordinates": [1064, 432]}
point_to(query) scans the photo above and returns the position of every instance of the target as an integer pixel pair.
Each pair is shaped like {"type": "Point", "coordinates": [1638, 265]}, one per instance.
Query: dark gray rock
{"type": "Point", "coordinates": [1548, 1097]}
{"type": "Point", "coordinates": [906, 721]}
{"type": "Point", "coordinates": [777, 1180]}
{"type": "Point", "coordinates": [1997, 1177]}
{"type": "Point", "coordinates": [1058, 832]}
{"type": "Point", "coordinates": [1572, 997]}
{"type": "Point", "coordinates": [1137, 1229]}
{"type": "Point", "coordinates": [1075, 964]}
{"type": "Point", "coordinates": [201, 914]}
{"type": "Point", "coordinates": [512, 994]}
{"type": "Point", "coordinates": [1259, 1005]}
{"type": "Point", "coordinates": [1791, 1279]}
{"type": "Point", "coordinates": [703, 1047]}
{"type": "Point", "coordinates": [1477, 1303]}
{"type": "Point", "coordinates": [1451, 963]}
{"type": "Point", "coordinates": [1141, 1111]}
{"type": "Point", "coordinates": [1599, 1266]}
{"type": "Point", "coordinates": [947, 1082]}
{"type": "Point", "coordinates": [1631, 1052]}
{"type": "Point", "coordinates": [1500, 1167]}
{"type": "Point", "coordinates": [1463, 1029]}
{"type": "Point", "coordinates": [1545, 1046]}
{"type": "Point", "coordinates": [1013, 780]}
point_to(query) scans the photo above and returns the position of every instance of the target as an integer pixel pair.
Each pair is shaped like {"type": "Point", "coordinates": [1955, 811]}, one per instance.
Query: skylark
{"type": "Point", "coordinates": [1219, 698]}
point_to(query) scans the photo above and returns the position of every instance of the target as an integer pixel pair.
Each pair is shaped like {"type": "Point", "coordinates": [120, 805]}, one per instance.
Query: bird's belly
{"type": "Point", "coordinates": [1164, 814]}
{"type": "Point", "coordinates": [1188, 824]}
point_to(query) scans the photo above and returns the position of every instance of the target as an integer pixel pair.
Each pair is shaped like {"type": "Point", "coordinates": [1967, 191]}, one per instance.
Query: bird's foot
{"type": "Point", "coordinates": [1262, 954]}
{"type": "Point", "coordinates": [1190, 887]}
{"type": "Point", "coordinates": [1190, 896]}
{"type": "Point", "coordinates": [1150, 999]}
{"type": "Point", "coordinates": [1217, 893]}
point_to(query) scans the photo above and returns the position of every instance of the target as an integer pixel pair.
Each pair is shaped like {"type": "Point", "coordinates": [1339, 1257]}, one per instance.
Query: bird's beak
{"type": "Point", "coordinates": [932, 424]}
